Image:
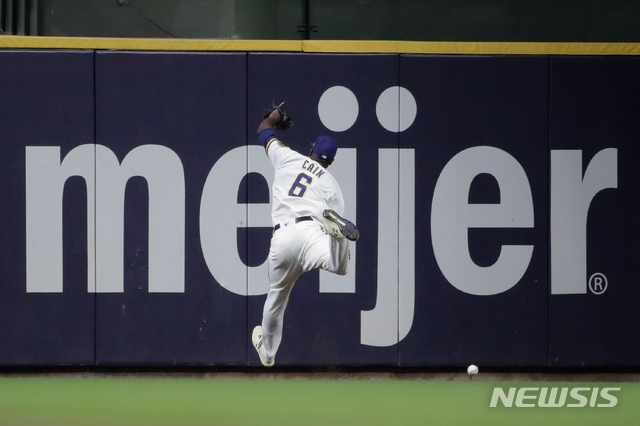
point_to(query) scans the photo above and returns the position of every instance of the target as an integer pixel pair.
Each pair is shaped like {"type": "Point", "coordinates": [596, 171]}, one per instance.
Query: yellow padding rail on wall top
{"type": "Point", "coordinates": [321, 46]}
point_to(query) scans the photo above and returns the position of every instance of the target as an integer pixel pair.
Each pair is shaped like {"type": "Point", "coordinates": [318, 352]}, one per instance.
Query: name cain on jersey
{"type": "Point", "coordinates": [313, 168]}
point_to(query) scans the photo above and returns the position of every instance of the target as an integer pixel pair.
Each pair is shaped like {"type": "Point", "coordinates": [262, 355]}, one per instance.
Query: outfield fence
{"type": "Point", "coordinates": [494, 184]}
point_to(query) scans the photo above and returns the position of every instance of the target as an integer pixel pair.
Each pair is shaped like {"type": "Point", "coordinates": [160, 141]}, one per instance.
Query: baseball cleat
{"type": "Point", "coordinates": [339, 226]}
{"type": "Point", "coordinates": [256, 339]}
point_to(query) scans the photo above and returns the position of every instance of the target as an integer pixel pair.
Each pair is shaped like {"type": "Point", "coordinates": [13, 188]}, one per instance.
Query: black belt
{"type": "Point", "coordinates": [298, 219]}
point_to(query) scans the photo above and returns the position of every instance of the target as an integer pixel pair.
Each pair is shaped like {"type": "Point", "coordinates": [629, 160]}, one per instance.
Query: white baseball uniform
{"type": "Point", "coordinates": [302, 188]}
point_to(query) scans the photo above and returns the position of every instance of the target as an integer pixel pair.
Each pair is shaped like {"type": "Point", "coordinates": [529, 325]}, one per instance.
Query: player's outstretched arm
{"type": "Point", "coordinates": [276, 118]}
{"type": "Point", "coordinates": [270, 121]}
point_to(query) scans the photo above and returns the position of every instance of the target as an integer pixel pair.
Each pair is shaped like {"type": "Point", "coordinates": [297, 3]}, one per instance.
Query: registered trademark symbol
{"type": "Point", "coordinates": [598, 283]}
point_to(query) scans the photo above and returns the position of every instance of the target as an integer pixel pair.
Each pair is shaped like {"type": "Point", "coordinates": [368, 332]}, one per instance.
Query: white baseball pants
{"type": "Point", "coordinates": [294, 251]}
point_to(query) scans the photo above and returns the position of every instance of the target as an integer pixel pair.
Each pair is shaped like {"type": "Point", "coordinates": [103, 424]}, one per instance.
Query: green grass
{"type": "Point", "coordinates": [229, 402]}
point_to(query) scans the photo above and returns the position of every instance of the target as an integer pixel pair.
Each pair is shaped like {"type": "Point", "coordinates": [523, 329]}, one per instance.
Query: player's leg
{"type": "Point", "coordinates": [339, 249]}
{"type": "Point", "coordinates": [284, 270]}
{"type": "Point", "coordinates": [274, 308]}
{"type": "Point", "coordinates": [325, 252]}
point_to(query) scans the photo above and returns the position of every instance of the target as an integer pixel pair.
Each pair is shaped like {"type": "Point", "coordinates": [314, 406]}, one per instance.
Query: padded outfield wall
{"type": "Point", "coordinates": [497, 197]}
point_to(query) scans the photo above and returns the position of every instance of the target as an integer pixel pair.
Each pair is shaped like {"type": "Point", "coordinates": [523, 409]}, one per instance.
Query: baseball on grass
{"type": "Point", "coordinates": [472, 369]}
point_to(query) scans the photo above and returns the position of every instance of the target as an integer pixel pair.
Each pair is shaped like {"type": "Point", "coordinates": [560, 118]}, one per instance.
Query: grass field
{"type": "Point", "coordinates": [100, 401]}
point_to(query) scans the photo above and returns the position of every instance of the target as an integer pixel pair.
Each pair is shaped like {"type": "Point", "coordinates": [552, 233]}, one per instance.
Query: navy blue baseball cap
{"type": "Point", "coordinates": [325, 147]}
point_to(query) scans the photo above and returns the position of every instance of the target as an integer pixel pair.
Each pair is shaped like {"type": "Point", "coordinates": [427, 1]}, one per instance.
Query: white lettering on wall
{"type": "Point", "coordinates": [392, 318]}
{"type": "Point", "coordinates": [571, 196]}
{"type": "Point", "coordinates": [452, 216]}
{"type": "Point", "coordinates": [106, 180]}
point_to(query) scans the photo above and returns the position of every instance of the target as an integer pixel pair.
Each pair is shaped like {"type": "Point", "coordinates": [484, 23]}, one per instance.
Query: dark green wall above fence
{"type": "Point", "coordinates": [420, 20]}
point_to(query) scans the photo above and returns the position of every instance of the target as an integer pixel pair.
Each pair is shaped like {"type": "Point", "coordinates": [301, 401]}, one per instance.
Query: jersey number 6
{"type": "Point", "coordinates": [299, 186]}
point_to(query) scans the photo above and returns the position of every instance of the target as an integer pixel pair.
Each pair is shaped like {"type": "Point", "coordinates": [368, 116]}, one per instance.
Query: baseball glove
{"type": "Point", "coordinates": [285, 120]}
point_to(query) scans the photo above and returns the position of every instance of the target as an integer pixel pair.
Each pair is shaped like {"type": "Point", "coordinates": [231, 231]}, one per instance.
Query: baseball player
{"type": "Point", "coordinates": [309, 231]}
